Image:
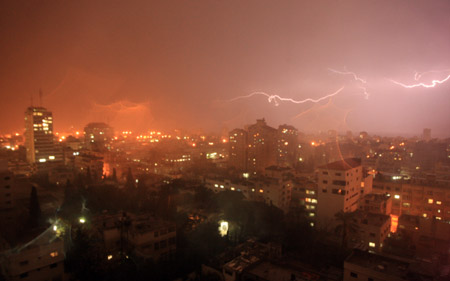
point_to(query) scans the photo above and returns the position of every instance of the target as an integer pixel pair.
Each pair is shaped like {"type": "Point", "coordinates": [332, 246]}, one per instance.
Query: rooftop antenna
{"type": "Point", "coordinates": [40, 97]}
{"type": "Point", "coordinates": [31, 99]}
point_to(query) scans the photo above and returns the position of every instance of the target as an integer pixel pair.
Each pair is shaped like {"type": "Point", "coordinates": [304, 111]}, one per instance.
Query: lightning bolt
{"type": "Point", "coordinates": [349, 73]}
{"type": "Point", "coordinates": [418, 75]}
{"type": "Point", "coordinates": [432, 85]}
{"type": "Point", "coordinates": [276, 98]}
{"type": "Point", "coordinates": [356, 78]}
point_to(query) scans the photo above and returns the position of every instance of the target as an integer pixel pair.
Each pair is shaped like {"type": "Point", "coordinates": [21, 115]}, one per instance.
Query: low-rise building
{"type": "Point", "coordinates": [40, 259]}
{"type": "Point", "coordinates": [366, 266]}
{"type": "Point", "coordinates": [147, 237]}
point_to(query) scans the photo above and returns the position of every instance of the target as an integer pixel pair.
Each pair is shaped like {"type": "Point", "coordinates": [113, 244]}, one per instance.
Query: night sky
{"type": "Point", "coordinates": [169, 64]}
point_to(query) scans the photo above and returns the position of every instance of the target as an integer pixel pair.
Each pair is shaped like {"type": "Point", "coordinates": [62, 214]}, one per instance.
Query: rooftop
{"type": "Point", "coordinates": [392, 266]}
{"type": "Point", "coordinates": [342, 165]}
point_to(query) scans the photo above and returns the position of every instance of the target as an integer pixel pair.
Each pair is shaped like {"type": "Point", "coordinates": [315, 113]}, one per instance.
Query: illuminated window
{"type": "Point", "coordinates": [396, 196]}
{"type": "Point", "coordinates": [42, 160]}
{"type": "Point", "coordinates": [424, 215]}
{"type": "Point", "coordinates": [261, 190]}
{"type": "Point", "coordinates": [110, 257]}
{"type": "Point", "coordinates": [216, 185]}
{"type": "Point", "coordinates": [314, 201]}
{"type": "Point", "coordinates": [430, 201]}
{"type": "Point", "coordinates": [438, 218]}
{"type": "Point", "coordinates": [438, 202]}
{"type": "Point", "coordinates": [51, 157]}
{"type": "Point", "coordinates": [232, 188]}
{"type": "Point", "coordinates": [54, 254]}
{"type": "Point", "coordinates": [372, 244]}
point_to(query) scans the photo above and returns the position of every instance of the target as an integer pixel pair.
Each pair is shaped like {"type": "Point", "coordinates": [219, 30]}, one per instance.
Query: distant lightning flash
{"type": "Point", "coordinates": [349, 73]}
{"type": "Point", "coordinates": [355, 77]}
{"type": "Point", "coordinates": [276, 98]}
{"type": "Point", "coordinates": [432, 85]}
{"type": "Point", "coordinates": [418, 75]}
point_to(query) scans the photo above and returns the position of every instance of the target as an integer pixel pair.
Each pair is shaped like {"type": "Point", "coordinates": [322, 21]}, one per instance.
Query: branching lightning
{"type": "Point", "coordinates": [421, 84]}
{"type": "Point", "coordinates": [418, 75]}
{"type": "Point", "coordinates": [276, 99]}
{"type": "Point", "coordinates": [356, 77]}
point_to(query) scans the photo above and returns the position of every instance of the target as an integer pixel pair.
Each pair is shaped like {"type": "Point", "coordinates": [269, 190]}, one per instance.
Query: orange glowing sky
{"type": "Point", "coordinates": [172, 64]}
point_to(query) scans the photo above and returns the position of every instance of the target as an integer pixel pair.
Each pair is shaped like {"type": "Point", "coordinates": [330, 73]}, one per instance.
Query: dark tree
{"type": "Point", "coordinates": [114, 175]}
{"type": "Point", "coordinates": [35, 208]}
{"type": "Point", "coordinates": [130, 179]}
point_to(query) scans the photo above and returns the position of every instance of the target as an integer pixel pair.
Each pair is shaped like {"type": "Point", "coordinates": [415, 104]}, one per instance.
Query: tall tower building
{"type": "Point", "coordinates": [39, 135]}
{"type": "Point", "coordinates": [262, 146]}
{"type": "Point", "coordinates": [238, 149]}
{"type": "Point", "coordinates": [98, 136]}
{"type": "Point", "coordinates": [287, 146]}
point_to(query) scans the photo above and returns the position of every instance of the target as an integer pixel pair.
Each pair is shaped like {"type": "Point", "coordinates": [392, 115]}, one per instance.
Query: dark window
{"type": "Point", "coordinates": [172, 240]}
{"type": "Point", "coordinates": [338, 174]}
{"type": "Point", "coordinates": [7, 186]}
{"type": "Point", "coordinates": [23, 263]}
{"type": "Point", "coordinates": [163, 244]}
{"type": "Point", "coordinates": [324, 173]}
{"type": "Point", "coordinates": [156, 234]}
{"type": "Point", "coordinates": [23, 275]}
{"type": "Point", "coordinates": [354, 275]}
{"type": "Point", "coordinates": [325, 182]}
{"type": "Point", "coordinates": [369, 279]}
{"type": "Point", "coordinates": [156, 246]}
{"type": "Point", "coordinates": [53, 265]}
{"type": "Point", "coordinates": [172, 229]}
{"type": "Point", "coordinates": [324, 190]}
{"type": "Point", "coordinates": [341, 183]}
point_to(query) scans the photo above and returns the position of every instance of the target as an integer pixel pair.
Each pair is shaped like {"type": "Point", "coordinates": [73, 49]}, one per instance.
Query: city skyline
{"type": "Point", "coordinates": [215, 66]}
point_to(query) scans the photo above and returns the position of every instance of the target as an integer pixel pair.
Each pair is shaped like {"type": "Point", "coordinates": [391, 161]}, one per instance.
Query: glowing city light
{"type": "Point", "coordinates": [82, 220]}
{"type": "Point", "coordinates": [223, 228]}
{"type": "Point", "coordinates": [276, 98]}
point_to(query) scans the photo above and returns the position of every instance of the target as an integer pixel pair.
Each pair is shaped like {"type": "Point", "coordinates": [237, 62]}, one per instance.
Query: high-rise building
{"type": "Point", "coordinates": [287, 146]}
{"type": "Point", "coordinates": [339, 186]}
{"type": "Point", "coordinates": [262, 146]}
{"type": "Point", "coordinates": [426, 136]}
{"type": "Point", "coordinates": [39, 136]}
{"type": "Point", "coordinates": [98, 136]}
{"type": "Point", "coordinates": [238, 149]}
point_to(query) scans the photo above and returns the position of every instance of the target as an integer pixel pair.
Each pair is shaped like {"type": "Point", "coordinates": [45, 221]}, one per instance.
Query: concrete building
{"type": "Point", "coordinates": [365, 266]}
{"type": "Point", "coordinates": [372, 229]}
{"type": "Point", "coordinates": [7, 196]}
{"type": "Point", "coordinates": [271, 191]}
{"type": "Point", "coordinates": [147, 237]}
{"type": "Point", "coordinates": [376, 204]}
{"type": "Point", "coordinates": [89, 162]}
{"type": "Point", "coordinates": [339, 189]}
{"type": "Point", "coordinates": [287, 144]}
{"type": "Point", "coordinates": [262, 147]}
{"type": "Point", "coordinates": [238, 149]}
{"type": "Point", "coordinates": [98, 136]}
{"type": "Point", "coordinates": [40, 259]}
{"type": "Point", "coordinates": [39, 144]}
{"type": "Point", "coordinates": [419, 197]}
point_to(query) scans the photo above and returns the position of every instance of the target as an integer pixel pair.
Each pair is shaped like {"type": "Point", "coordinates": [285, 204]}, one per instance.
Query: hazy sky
{"type": "Point", "coordinates": [177, 64]}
